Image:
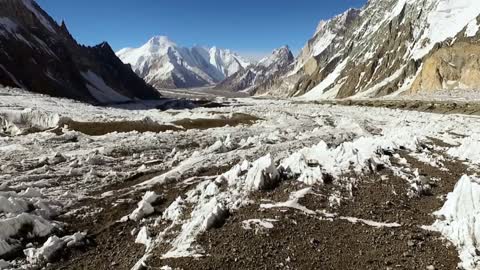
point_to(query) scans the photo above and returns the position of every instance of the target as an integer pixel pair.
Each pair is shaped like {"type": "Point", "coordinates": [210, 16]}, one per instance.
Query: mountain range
{"type": "Point", "coordinates": [386, 48]}
{"type": "Point", "coordinates": [41, 56]}
{"type": "Point", "coordinates": [389, 47]}
{"type": "Point", "coordinates": [267, 68]}
{"type": "Point", "coordinates": [164, 64]}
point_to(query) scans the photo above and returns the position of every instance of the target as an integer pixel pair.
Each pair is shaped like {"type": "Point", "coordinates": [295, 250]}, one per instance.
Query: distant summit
{"type": "Point", "coordinates": [164, 64]}
{"type": "Point", "coordinates": [248, 79]}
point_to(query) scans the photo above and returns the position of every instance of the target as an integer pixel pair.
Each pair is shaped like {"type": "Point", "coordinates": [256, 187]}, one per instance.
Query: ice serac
{"type": "Point", "coordinates": [458, 220]}
{"type": "Point", "coordinates": [41, 56]}
{"type": "Point", "coordinates": [164, 64]}
{"type": "Point", "coordinates": [384, 48]}
{"type": "Point", "coordinates": [252, 78]}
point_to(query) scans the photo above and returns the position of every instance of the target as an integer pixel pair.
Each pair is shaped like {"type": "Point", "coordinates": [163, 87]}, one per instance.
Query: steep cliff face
{"type": "Point", "coordinates": [328, 36]}
{"type": "Point", "coordinates": [454, 64]}
{"type": "Point", "coordinates": [375, 51]}
{"type": "Point", "coordinates": [40, 56]}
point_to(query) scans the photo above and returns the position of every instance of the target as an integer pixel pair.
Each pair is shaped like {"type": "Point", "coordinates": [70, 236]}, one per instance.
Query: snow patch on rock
{"type": "Point", "coordinates": [447, 19]}
{"type": "Point", "coordinates": [472, 28]}
{"type": "Point", "coordinates": [8, 25]}
{"type": "Point", "coordinates": [100, 90]}
{"type": "Point", "coordinates": [372, 223]}
{"type": "Point", "coordinates": [293, 202]}
{"type": "Point", "coordinates": [258, 224]}
{"type": "Point", "coordinates": [44, 21]}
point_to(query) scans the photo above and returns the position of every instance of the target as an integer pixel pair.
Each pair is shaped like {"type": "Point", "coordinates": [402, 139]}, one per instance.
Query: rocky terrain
{"type": "Point", "coordinates": [41, 56]}
{"type": "Point", "coordinates": [253, 184]}
{"type": "Point", "coordinates": [164, 64]}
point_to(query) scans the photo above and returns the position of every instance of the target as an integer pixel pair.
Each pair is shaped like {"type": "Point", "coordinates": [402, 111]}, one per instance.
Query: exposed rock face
{"type": "Point", "coordinates": [241, 80]}
{"type": "Point", "coordinates": [453, 64]}
{"type": "Point", "coordinates": [328, 32]}
{"type": "Point", "coordinates": [250, 79]}
{"type": "Point", "coordinates": [164, 64]}
{"type": "Point", "coordinates": [455, 67]}
{"type": "Point", "coordinates": [375, 51]}
{"type": "Point", "coordinates": [38, 55]}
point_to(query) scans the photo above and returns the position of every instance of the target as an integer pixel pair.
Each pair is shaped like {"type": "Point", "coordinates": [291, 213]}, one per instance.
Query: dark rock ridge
{"type": "Point", "coordinates": [41, 56]}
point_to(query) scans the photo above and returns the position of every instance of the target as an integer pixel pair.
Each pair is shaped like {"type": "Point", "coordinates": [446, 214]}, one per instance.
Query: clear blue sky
{"type": "Point", "coordinates": [250, 27]}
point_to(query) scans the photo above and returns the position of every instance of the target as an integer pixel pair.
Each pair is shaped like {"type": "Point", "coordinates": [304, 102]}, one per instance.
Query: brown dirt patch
{"type": "Point", "coordinates": [102, 128]}
{"type": "Point", "coordinates": [442, 107]}
{"type": "Point", "coordinates": [235, 120]}
{"type": "Point", "coordinates": [300, 241]}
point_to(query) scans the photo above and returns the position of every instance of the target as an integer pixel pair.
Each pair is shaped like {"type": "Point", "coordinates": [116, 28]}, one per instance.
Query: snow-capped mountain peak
{"type": "Point", "coordinates": [161, 40]}
{"type": "Point", "coordinates": [267, 68]}
{"type": "Point", "coordinates": [164, 64]}
{"type": "Point", "coordinates": [159, 44]}
{"type": "Point", "coordinates": [340, 20]}
{"type": "Point", "coordinates": [278, 56]}
{"type": "Point", "coordinates": [226, 61]}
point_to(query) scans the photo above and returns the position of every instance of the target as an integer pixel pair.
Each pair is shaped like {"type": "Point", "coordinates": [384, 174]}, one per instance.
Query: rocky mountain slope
{"type": "Point", "coordinates": [164, 64]}
{"type": "Point", "coordinates": [454, 64]}
{"type": "Point", "coordinates": [382, 49]}
{"type": "Point", "coordinates": [267, 68]}
{"type": "Point", "coordinates": [39, 55]}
